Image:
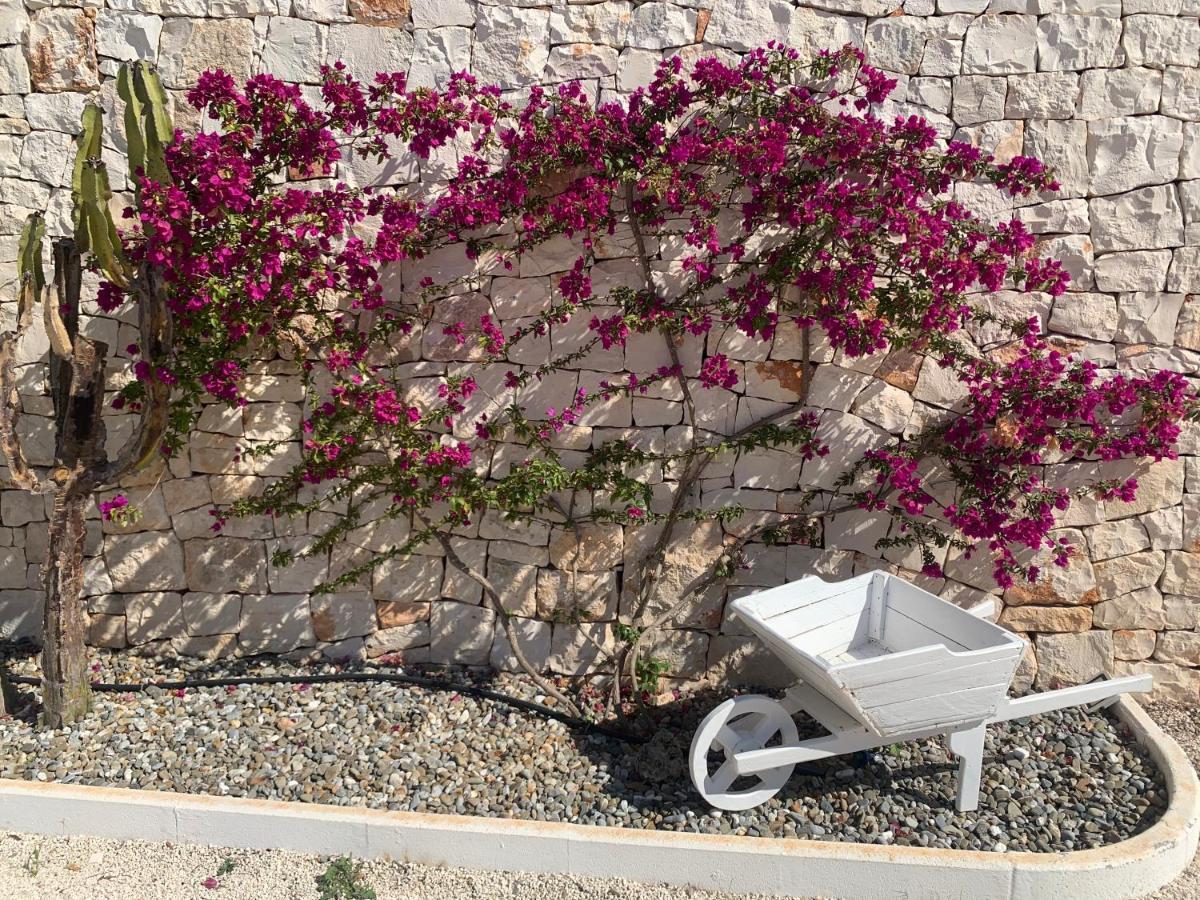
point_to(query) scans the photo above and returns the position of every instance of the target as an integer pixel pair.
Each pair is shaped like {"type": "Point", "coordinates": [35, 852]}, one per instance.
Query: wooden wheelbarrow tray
{"type": "Point", "coordinates": [879, 662]}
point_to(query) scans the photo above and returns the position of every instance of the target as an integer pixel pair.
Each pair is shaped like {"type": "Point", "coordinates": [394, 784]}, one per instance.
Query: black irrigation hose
{"type": "Point", "coordinates": [415, 680]}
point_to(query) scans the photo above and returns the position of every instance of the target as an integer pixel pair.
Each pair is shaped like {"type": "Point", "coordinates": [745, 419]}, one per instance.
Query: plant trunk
{"type": "Point", "coordinates": [77, 388]}
{"type": "Point", "coordinates": [66, 693]}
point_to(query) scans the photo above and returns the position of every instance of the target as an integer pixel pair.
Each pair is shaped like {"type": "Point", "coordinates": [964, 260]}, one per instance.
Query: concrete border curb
{"type": "Point", "coordinates": [784, 868]}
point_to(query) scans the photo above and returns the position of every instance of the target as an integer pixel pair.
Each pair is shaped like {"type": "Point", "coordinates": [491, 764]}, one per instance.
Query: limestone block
{"type": "Point", "coordinates": [597, 548]}
{"type": "Point", "coordinates": [1182, 574]}
{"type": "Point", "coordinates": [188, 47]}
{"type": "Point", "coordinates": [596, 23]}
{"type": "Point", "coordinates": [61, 51]}
{"type": "Point", "coordinates": [400, 638]}
{"type": "Point", "coordinates": [127, 35]}
{"type": "Point", "coordinates": [208, 614]}
{"type": "Point", "coordinates": [1119, 92]}
{"type": "Point", "coordinates": [20, 508]}
{"type": "Point", "coordinates": [275, 623]}
{"type": "Point", "coordinates": [437, 53]}
{"type": "Point", "coordinates": [586, 596]}
{"type": "Point", "coordinates": [774, 470]}
{"type": "Point", "coordinates": [851, 435]}
{"type": "Point", "coordinates": [207, 647]}
{"type": "Point", "coordinates": [1136, 270]}
{"type": "Point", "coordinates": [367, 49]}
{"type": "Point", "coordinates": [1172, 684]}
{"type": "Point", "coordinates": [458, 585]}
{"type": "Point", "coordinates": [684, 651]}
{"type": "Point", "coordinates": [1047, 619]}
{"type": "Point", "coordinates": [460, 633]}
{"type": "Point", "coordinates": [511, 45]}
{"type": "Point", "coordinates": [1119, 576]}
{"type": "Point", "coordinates": [1148, 318]}
{"type": "Point", "coordinates": [1181, 647]}
{"type": "Point", "coordinates": [938, 385]}
{"type": "Point", "coordinates": [1062, 145]}
{"type": "Point", "coordinates": [1133, 151]}
{"type": "Point", "coordinates": [14, 72]}
{"type": "Point", "coordinates": [745, 662]}
{"type": "Point", "coordinates": [219, 564]}
{"type": "Point", "coordinates": [575, 649]}
{"type": "Point", "coordinates": [294, 49]}
{"type": "Point", "coordinates": [336, 617]}
{"type": "Point", "coordinates": [657, 26]}
{"type": "Point", "coordinates": [46, 156]}
{"type": "Point", "coordinates": [943, 56]}
{"type": "Point", "coordinates": [1161, 41]}
{"type": "Point", "coordinates": [1142, 608]}
{"type": "Point", "coordinates": [1074, 43]}
{"type": "Point", "coordinates": [55, 112]}
{"type": "Point", "coordinates": [107, 631]}
{"type": "Point", "coordinates": [1182, 612]}
{"type": "Point", "coordinates": [408, 579]}
{"type": "Point", "coordinates": [978, 98]}
{"type": "Point", "coordinates": [1085, 315]}
{"type": "Point", "coordinates": [1159, 485]}
{"type": "Point", "coordinates": [533, 639]}
{"type": "Point", "coordinates": [493, 526]}
{"type": "Point", "coordinates": [1184, 276]}
{"type": "Point", "coordinates": [1146, 219]}
{"type": "Point", "coordinates": [153, 617]}
{"type": "Point", "coordinates": [570, 62]}
{"type": "Point", "coordinates": [95, 577]}
{"type": "Point", "coordinates": [888, 407]}
{"type": "Point", "coordinates": [1067, 659]}
{"type": "Point", "coordinates": [21, 614]}
{"type": "Point", "coordinates": [1042, 95]}
{"type": "Point", "coordinates": [635, 68]}
{"type": "Point", "coordinates": [321, 10]}
{"type": "Point", "coordinates": [1133, 644]}
{"type": "Point", "coordinates": [746, 24]}
{"type": "Point", "coordinates": [386, 13]}
{"type": "Point", "coordinates": [394, 613]}
{"type": "Point", "coordinates": [1120, 538]}
{"type": "Point", "coordinates": [897, 44]}
{"type": "Point", "coordinates": [1070, 585]}
{"type": "Point", "coordinates": [517, 585]}
{"type": "Point", "coordinates": [1000, 44]}
{"type": "Point", "coordinates": [1181, 92]}
{"type": "Point", "coordinates": [1164, 527]}
{"type": "Point", "coordinates": [149, 561]}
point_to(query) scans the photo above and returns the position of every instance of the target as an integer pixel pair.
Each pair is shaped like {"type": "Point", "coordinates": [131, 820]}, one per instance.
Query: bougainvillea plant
{"type": "Point", "coordinates": [747, 203]}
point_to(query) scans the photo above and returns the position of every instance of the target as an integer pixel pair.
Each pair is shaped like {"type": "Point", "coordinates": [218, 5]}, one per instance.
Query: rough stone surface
{"type": "Point", "coordinates": [1106, 93]}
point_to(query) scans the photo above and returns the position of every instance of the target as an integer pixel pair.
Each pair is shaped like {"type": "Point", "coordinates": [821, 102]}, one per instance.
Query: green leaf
{"type": "Point", "coordinates": [134, 114]}
{"type": "Point", "coordinates": [29, 255]}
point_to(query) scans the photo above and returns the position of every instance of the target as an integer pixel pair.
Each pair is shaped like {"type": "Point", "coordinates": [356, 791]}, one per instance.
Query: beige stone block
{"type": "Point", "coordinates": [565, 597]}
{"type": "Point", "coordinates": [1181, 647]}
{"type": "Point", "coordinates": [219, 564]}
{"type": "Point", "coordinates": [396, 639]}
{"type": "Point", "coordinates": [145, 562]}
{"type": "Point", "coordinates": [1047, 618]}
{"type": "Point", "coordinates": [533, 640]}
{"type": "Point", "coordinates": [395, 613]}
{"type": "Point", "coordinates": [1142, 608]}
{"type": "Point", "coordinates": [1172, 684]}
{"type": "Point", "coordinates": [207, 646]}
{"type": "Point", "coordinates": [460, 633]}
{"type": "Point", "coordinates": [596, 548]}
{"type": "Point", "coordinates": [336, 617]}
{"type": "Point", "coordinates": [275, 623]}
{"type": "Point", "coordinates": [1134, 645]}
{"type": "Point", "coordinates": [1067, 659]}
{"type": "Point", "coordinates": [153, 616]}
{"type": "Point", "coordinates": [207, 614]}
{"type": "Point", "coordinates": [107, 631]}
{"type": "Point", "coordinates": [409, 579]}
{"type": "Point", "coordinates": [1182, 574]}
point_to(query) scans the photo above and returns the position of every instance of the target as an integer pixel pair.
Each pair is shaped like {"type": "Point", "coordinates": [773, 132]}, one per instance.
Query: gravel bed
{"type": "Point", "coordinates": [1067, 780]}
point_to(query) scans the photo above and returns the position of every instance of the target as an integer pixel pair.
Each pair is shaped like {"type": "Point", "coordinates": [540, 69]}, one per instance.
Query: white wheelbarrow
{"type": "Point", "coordinates": [880, 662]}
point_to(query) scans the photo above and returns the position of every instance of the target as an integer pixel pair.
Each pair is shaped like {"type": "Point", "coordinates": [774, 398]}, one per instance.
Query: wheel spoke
{"type": "Point", "coordinates": [727, 738]}
{"type": "Point", "coordinates": [721, 779]}
{"type": "Point", "coordinates": [764, 731]}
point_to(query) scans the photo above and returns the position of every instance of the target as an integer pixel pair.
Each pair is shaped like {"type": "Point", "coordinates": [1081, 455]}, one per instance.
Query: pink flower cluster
{"type": "Point", "coordinates": [793, 207]}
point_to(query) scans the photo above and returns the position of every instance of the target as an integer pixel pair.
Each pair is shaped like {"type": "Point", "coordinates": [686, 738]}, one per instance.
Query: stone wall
{"type": "Point", "coordinates": [1108, 92]}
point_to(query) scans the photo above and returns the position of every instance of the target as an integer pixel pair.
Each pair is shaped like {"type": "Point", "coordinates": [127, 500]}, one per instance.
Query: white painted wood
{"type": "Point", "coordinates": [932, 684]}
{"type": "Point", "coordinates": [1032, 705]}
{"type": "Point", "coordinates": [865, 673]}
{"type": "Point", "coordinates": [964, 706]}
{"type": "Point", "coordinates": [824, 709]}
{"type": "Point", "coordinates": [967, 745]}
{"type": "Point", "coordinates": [983, 609]}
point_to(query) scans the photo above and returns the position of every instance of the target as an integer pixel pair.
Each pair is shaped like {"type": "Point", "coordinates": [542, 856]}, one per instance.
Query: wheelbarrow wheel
{"type": "Point", "coordinates": [744, 723]}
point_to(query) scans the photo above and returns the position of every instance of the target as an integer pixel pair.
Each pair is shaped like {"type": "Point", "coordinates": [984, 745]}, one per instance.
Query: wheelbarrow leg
{"type": "Point", "coordinates": [968, 747]}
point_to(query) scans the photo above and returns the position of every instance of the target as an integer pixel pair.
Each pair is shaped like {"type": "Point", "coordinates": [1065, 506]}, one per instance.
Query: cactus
{"type": "Point", "coordinates": [77, 365]}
